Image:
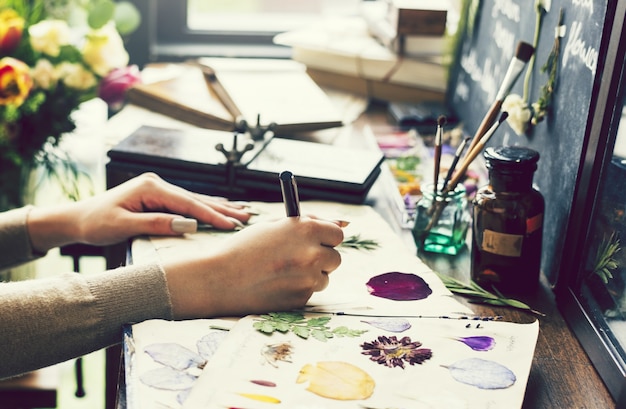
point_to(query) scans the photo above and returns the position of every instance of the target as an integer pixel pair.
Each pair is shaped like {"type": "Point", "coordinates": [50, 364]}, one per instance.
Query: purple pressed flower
{"type": "Point", "coordinates": [479, 343]}
{"type": "Point", "coordinates": [391, 352]}
{"type": "Point", "coordinates": [399, 286]}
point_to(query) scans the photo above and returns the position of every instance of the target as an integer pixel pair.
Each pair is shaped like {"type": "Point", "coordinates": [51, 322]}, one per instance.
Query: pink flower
{"type": "Point", "coordinates": [113, 87]}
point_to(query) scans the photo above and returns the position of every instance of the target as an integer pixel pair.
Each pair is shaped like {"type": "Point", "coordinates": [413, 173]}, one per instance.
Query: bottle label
{"type": "Point", "coordinates": [534, 223]}
{"type": "Point", "coordinates": [503, 244]}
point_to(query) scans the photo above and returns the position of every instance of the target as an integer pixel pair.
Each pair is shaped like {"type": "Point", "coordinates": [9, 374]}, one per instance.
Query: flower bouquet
{"type": "Point", "coordinates": [48, 67]}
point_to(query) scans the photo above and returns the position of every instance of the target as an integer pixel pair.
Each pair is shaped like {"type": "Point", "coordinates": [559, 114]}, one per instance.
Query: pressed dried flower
{"type": "Point", "coordinates": [399, 286]}
{"type": "Point", "coordinates": [479, 343]}
{"type": "Point", "coordinates": [337, 380]}
{"type": "Point", "coordinates": [277, 352]}
{"type": "Point", "coordinates": [391, 352]}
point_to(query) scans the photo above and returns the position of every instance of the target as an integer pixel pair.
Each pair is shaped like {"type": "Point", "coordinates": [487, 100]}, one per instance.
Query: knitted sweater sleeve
{"type": "Point", "coordinates": [47, 321]}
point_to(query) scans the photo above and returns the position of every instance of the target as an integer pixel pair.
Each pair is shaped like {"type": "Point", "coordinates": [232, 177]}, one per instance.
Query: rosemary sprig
{"type": "Point", "coordinates": [477, 294]}
{"type": "Point", "coordinates": [356, 242]}
{"type": "Point", "coordinates": [304, 328]}
{"type": "Point", "coordinates": [605, 260]}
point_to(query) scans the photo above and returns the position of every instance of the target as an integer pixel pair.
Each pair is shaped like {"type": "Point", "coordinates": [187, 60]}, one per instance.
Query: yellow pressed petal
{"type": "Point", "coordinates": [260, 398]}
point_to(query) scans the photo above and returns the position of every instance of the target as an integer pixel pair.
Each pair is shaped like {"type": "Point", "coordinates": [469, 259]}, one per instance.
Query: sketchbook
{"type": "Point", "coordinates": [385, 333]}
{"type": "Point", "coordinates": [189, 158]}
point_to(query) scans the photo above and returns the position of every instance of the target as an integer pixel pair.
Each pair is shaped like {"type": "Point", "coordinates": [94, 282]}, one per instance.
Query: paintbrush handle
{"type": "Point", "coordinates": [467, 160]}
{"type": "Point", "coordinates": [488, 120]}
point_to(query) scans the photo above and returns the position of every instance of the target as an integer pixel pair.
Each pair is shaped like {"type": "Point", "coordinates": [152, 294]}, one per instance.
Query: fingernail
{"type": "Point", "coordinates": [241, 203]}
{"type": "Point", "coordinates": [342, 223]}
{"type": "Point", "coordinates": [238, 224]}
{"type": "Point", "coordinates": [182, 225]}
{"type": "Point", "coordinates": [251, 212]}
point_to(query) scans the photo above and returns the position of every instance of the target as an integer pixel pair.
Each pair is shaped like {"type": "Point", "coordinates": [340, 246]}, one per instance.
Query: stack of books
{"type": "Point", "coordinates": [395, 50]}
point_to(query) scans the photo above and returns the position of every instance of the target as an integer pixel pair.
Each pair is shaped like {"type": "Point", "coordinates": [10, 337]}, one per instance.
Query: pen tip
{"type": "Point", "coordinates": [441, 121]}
{"type": "Point", "coordinates": [503, 116]}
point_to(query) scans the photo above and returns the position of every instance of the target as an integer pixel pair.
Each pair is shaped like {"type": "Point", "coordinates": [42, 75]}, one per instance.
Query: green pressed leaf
{"type": "Point", "coordinates": [317, 322]}
{"type": "Point", "coordinates": [477, 294]}
{"type": "Point", "coordinates": [321, 335]}
{"type": "Point", "coordinates": [356, 242]}
{"type": "Point", "coordinates": [302, 332]}
{"type": "Point", "coordinates": [264, 326]}
{"type": "Point", "coordinates": [282, 327]}
{"type": "Point", "coordinates": [304, 328]}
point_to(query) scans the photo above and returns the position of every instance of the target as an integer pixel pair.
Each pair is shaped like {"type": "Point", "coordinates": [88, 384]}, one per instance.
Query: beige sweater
{"type": "Point", "coordinates": [47, 321]}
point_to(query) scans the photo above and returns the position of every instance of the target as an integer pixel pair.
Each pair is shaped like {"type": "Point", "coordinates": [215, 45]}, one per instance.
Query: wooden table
{"type": "Point", "coordinates": [562, 376]}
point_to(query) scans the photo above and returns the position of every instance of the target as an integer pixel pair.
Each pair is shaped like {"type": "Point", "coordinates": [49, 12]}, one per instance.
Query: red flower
{"type": "Point", "coordinates": [113, 87]}
{"type": "Point", "coordinates": [11, 27]}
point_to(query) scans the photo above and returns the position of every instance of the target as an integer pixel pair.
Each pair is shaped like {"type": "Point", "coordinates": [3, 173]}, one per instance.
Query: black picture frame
{"type": "Point", "coordinates": [585, 317]}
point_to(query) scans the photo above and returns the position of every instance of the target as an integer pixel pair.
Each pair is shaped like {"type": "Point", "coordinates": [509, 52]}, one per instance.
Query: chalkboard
{"type": "Point", "coordinates": [485, 50]}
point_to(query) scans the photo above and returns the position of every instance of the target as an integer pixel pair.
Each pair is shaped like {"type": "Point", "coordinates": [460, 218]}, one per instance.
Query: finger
{"type": "Point", "coordinates": [177, 200]}
{"type": "Point", "coordinates": [322, 282]}
{"type": "Point", "coordinates": [331, 260]}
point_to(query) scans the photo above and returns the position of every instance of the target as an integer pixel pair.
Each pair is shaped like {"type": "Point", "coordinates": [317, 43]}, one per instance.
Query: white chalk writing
{"type": "Point", "coordinates": [485, 75]}
{"type": "Point", "coordinates": [585, 4]}
{"type": "Point", "coordinates": [505, 40]}
{"type": "Point", "coordinates": [507, 8]}
{"type": "Point", "coordinates": [577, 48]}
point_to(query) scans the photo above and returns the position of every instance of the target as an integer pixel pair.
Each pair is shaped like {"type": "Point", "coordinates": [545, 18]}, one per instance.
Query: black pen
{"type": "Point", "coordinates": [290, 193]}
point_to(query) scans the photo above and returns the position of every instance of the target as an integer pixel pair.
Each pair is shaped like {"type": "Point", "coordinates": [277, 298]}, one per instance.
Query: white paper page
{"type": "Point", "coordinates": [347, 290]}
{"type": "Point", "coordinates": [244, 372]}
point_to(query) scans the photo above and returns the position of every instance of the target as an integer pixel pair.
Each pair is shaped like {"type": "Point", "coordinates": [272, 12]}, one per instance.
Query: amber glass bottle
{"type": "Point", "coordinates": [507, 225]}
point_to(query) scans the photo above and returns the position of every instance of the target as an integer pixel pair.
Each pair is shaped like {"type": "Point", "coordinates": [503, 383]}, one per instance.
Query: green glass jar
{"type": "Point", "coordinates": [441, 221]}
{"type": "Point", "coordinates": [507, 223]}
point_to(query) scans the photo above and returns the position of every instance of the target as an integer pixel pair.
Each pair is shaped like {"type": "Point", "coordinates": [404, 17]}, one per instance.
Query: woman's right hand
{"type": "Point", "coordinates": [269, 266]}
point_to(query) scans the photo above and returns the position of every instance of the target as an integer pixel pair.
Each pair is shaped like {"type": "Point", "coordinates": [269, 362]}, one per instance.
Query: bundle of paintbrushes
{"type": "Point", "coordinates": [453, 177]}
{"type": "Point", "coordinates": [438, 226]}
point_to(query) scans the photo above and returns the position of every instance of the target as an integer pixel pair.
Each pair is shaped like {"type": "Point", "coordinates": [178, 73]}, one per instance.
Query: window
{"type": "Point", "coordinates": [174, 30]}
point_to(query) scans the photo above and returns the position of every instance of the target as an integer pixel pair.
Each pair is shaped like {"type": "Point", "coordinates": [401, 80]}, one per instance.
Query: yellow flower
{"type": "Point", "coordinates": [15, 81]}
{"type": "Point", "coordinates": [48, 36]}
{"type": "Point", "coordinates": [76, 76]}
{"type": "Point", "coordinates": [104, 50]}
{"type": "Point", "coordinates": [11, 28]}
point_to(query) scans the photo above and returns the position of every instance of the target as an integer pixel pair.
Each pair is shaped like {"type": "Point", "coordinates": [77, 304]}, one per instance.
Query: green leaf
{"type": "Point", "coordinates": [302, 332]}
{"type": "Point", "coordinates": [318, 322]}
{"type": "Point", "coordinates": [282, 327]}
{"type": "Point", "coordinates": [321, 335]}
{"type": "Point", "coordinates": [127, 17]}
{"type": "Point", "coordinates": [304, 328]}
{"type": "Point", "coordinates": [264, 327]}
{"type": "Point", "coordinates": [477, 294]}
{"type": "Point", "coordinates": [101, 12]}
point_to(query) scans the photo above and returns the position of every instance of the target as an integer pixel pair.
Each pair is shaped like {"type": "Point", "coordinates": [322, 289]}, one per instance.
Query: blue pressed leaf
{"type": "Point", "coordinates": [208, 344]}
{"type": "Point", "coordinates": [168, 379]}
{"type": "Point", "coordinates": [390, 324]}
{"type": "Point", "coordinates": [174, 355]}
{"type": "Point", "coordinates": [482, 373]}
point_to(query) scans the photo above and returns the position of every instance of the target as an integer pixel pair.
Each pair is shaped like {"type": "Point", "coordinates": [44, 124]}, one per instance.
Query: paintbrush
{"type": "Point", "coordinates": [455, 161]}
{"type": "Point", "coordinates": [522, 55]}
{"type": "Point", "coordinates": [473, 153]}
{"type": "Point", "coordinates": [437, 157]}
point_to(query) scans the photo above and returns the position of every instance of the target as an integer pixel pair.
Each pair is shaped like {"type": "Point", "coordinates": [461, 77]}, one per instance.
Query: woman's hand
{"type": "Point", "coordinates": [143, 205]}
{"type": "Point", "coordinates": [269, 266]}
